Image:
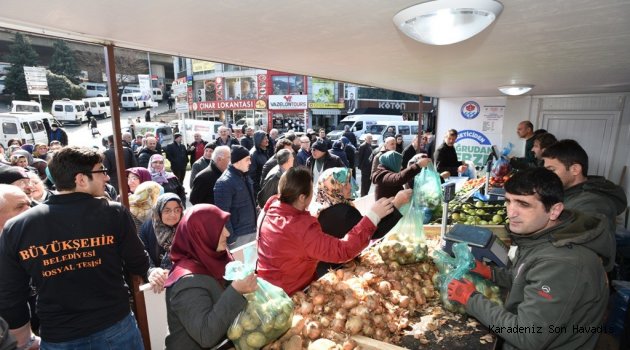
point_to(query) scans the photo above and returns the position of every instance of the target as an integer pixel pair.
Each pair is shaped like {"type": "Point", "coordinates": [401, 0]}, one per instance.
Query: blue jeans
{"type": "Point", "coordinates": [124, 334]}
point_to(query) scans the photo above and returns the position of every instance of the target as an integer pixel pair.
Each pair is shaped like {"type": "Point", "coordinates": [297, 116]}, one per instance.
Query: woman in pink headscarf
{"type": "Point", "coordinates": [200, 304]}
{"type": "Point", "coordinates": [165, 178]}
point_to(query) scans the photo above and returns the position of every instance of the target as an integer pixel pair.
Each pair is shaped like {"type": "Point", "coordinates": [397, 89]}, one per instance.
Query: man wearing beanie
{"type": "Point", "coordinates": [16, 176]}
{"type": "Point", "coordinates": [202, 162]}
{"type": "Point", "coordinates": [234, 193]}
{"type": "Point", "coordinates": [177, 154]}
{"type": "Point", "coordinates": [321, 159]}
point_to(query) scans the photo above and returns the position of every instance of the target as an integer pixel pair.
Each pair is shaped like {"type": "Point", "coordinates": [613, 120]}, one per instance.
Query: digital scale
{"type": "Point", "coordinates": [484, 245]}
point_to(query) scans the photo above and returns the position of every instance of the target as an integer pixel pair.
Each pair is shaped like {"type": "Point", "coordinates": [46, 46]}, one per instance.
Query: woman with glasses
{"type": "Point", "coordinates": [291, 242]}
{"type": "Point", "coordinates": [167, 179]}
{"type": "Point", "coordinates": [157, 234]}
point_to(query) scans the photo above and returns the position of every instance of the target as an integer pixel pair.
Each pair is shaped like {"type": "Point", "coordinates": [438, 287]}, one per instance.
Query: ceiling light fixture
{"type": "Point", "coordinates": [515, 90]}
{"type": "Point", "coordinates": [445, 22]}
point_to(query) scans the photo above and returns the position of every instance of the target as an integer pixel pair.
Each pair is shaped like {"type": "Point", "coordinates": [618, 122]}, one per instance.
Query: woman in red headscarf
{"type": "Point", "coordinates": [200, 304]}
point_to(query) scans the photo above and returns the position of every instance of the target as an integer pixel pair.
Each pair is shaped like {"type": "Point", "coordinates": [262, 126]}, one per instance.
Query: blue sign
{"type": "Point", "coordinates": [473, 135]}
{"type": "Point", "coordinates": [470, 110]}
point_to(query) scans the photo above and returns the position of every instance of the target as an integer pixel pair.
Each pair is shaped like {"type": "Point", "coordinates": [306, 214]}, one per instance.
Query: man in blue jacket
{"type": "Point", "coordinates": [234, 193]}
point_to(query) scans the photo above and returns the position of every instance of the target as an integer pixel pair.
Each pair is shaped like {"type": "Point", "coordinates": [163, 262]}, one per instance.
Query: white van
{"type": "Point", "coordinates": [99, 106]}
{"type": "Point", "coordinates": [69, 111]}
{"type": "Point", "coordinates": [94, 89]}
{"type": "Point", "coordinates": [26, 107]}
{"type": "Point", "coordinates": [209, 130]}
{"type": "Point", "coordinates": [135, 101]}
{"type": "Point", "coordinates": [408, 130]}
{"type": "Point", "coordinates": [163, 132]}
{"type": "Point", "coordinates": [30, 128]}
{"type": "Point", "coordinates": [157, 95]}
{"type": "Point", "coordinates": [359, 123]}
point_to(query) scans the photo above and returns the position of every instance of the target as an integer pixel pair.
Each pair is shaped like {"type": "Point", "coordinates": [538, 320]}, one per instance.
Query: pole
{"type": "Point", "coordinates": [138, 296]}
{"type": "Point", "coordinates": [40, 101]}
{"type": "Point", "coordinates": [420, 116]}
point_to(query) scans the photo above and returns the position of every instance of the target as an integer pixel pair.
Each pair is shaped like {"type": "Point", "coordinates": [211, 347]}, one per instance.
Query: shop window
{"type": "Point", "coordinates": [287, 84]}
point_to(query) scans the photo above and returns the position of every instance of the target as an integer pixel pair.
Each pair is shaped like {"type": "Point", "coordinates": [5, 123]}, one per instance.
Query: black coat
{"type": "Point", "coordinates": [247, 142]}
{"type": "Point", "coordinates": [109, 161]}
{"type": "Point", "coordinates": [445, 159]}
{"type": "Point", "coordinates": [332, 225]}
{"type": "Point", "coordinates": [363, 158]}
{"type": "Point", "coordinates": [177, 154]}
{"type": "Point", "coordinates": [145, 155]}
{"type": "Point", "coordinates": [330, 161]}
{"type": "Point", "coordinates": [202, 190]}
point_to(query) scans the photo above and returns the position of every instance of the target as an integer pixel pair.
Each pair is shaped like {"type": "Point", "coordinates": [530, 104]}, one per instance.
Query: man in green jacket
{"type": "Point", "coordinates": [589, 194]}
{"type": "Point", "coordinates": [557, 283]}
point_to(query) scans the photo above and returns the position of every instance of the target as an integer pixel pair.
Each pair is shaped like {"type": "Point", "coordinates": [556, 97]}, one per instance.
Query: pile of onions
{"type": "Point", "coordinates": [371, 299]}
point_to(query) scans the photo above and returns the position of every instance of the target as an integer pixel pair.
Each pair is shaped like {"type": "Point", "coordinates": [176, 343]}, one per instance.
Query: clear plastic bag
{"type": "Point", "coordinates": [501, 167]}
{"type": "Point", "coordinates": [450, 268]}
{"type": "Point", "coordinates": [266, 317]}
{"type": "Point", "coordinates": [427, 193]}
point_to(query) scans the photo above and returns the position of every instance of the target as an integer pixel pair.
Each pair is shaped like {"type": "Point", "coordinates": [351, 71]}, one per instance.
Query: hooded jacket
{"type": "Point", "coordinates": [597, 195]}
{"type": "Point", "coordinates": [557, 285]}
{"type": "Point", "coordinates": [259, 158]}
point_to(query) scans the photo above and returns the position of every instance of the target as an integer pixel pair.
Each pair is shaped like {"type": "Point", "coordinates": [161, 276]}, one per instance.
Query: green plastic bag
{"type": "Point", "coordinates": [450, 268]}
{"type": "Point", "coordinates": [268, 314]}
{"type": "Point", "coordinates": [405, 243]}
{"type": "Point", "coordinates": [427, 192]}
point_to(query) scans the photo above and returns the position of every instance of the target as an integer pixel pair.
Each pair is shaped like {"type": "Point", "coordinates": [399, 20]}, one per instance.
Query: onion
{"type": "Point", "coordinates": [392, 326]}
{"type": "Point", "coordinates": [339, 274]}
{"type": "Point", "coordinates": [317, 309]}
{"type": "Point", "coordinates": [312, 330]}
{"type": "Point", "coordinates": [297, 323]}
{"type": "Point", "coordinates": [349, 344]}
{"type": "Point", "coordinates": [394, 265]}
{"type": "Point", "coordinates": [338, 325]}
{"type": "Point", "coordinates": [349, 303]}
{"type": "Point", "coordinates": [306, 308]}
{"type": "Point", "coordinates": [367, 330]}
{"type": "Point", "coordinates": [369, 277]}
{"type": "Point", "coordinates": [325, 321]}
{"type": "Point", "coordinates": [384, 287]}
{"type": "Point", "coordinates": [319, 299]}
{"type": "Point", "coordinates": [379, 333]}
{"type": "Point", "coordinates": [361, 311]}
{"type": "Point", "coordinates": [428, 292]}
{"type": "Point", "coordinates": [341, 314]}
{"type": "Point", "coordinates": [378, 321]}
{"type": "Point", "coordinates": [420, 298]}
{"type": "Point", "coordinates": [396, 284]}
{"type": "Point", "coordinates": [338, 300]}
{"type": "Point", "coordinates": [404, 301]}
{"type": "Point", "coordinates": [354, 325]}
{"type": "Point", "coordinates": [395, 298]}
{"type": "Point", "coordinates": [403, 323]}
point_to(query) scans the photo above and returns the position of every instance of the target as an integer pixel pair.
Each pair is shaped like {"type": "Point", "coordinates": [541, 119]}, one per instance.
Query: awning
{"type": "Point", "coordinates": [325, 111]}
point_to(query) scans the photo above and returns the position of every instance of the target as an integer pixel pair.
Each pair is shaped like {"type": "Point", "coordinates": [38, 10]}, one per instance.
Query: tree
{"type": "Point", "coordinates": [62, 62]}
{"type": "Point", "coordinates": [21, 54]}
{"type": "Point", "coordinates": [61, 87]}
{"type": "Point", "coordinates": [128, 66]}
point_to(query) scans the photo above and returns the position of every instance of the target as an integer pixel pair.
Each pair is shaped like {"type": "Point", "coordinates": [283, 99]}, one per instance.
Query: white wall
{"type": "Point", "coordinates": [530, 108]}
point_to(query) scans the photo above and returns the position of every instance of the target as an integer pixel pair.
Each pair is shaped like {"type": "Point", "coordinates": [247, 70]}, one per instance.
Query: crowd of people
{"type": "Point", "coordinates": [67, 243]}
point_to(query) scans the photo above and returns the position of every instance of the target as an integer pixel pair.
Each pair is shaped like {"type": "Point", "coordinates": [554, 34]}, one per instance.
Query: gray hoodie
{"type": "Point", "coordinates": [558, 287]}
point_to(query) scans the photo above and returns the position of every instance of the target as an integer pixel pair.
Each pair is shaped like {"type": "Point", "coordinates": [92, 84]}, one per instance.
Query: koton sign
{"type": "Point", "coordinates": [294, 102]}
{"type": "Point", "coordinates": [214, 105]}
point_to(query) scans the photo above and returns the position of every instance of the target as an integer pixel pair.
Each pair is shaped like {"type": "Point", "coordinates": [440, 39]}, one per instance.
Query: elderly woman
{"type": "Point", "coordinates": [136, 176]}
{"type": "Point", "coordinates": [158, 232]}
{"type": "Point", "coordinates": [291, 242]}
{"type": "Point", "coordinates": [200, 304]}
{"type": "Point", "coordinates": [19, 160]}
{"type": "Point", "coordinates": [388, 177]}
{"type": "Point", "coordinates": [167, 179]}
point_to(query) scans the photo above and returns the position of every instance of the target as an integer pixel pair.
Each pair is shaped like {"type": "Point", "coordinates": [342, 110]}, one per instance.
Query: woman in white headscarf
{"type": "Point", "coordinates": [165, 178]}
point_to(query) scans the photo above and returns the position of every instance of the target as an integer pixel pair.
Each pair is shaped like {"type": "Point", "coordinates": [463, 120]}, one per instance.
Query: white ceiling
{"type": "Point", "coordinates": [561, 46]}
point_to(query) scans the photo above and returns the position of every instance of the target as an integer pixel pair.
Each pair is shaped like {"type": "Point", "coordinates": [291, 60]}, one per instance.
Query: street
{"type": "Point", "coordinates": [81, 135]}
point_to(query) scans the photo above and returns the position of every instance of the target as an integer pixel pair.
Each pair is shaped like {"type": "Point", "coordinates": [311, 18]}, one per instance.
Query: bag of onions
{"type": "Point", "coordinates": [458, 268]}
{"type": "Point", "coordinates": [266, 317]}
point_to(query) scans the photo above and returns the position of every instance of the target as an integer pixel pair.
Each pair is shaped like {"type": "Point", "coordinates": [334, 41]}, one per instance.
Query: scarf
{"type": "Point", "coordinates": [194, 249]}
{"type": "Point", "coordinates": [330, 188]}
{"type": "Point", "coordinates": [391, 160]}
{"type": "Point", "coordinates": [160, 177]}
{"type": "Point", "coordinates": [142, 201]}
{"type": "Point", "coordinates": [163, 232]}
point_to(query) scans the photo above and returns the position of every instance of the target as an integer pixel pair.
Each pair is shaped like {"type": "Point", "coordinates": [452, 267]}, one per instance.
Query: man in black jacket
{"type": "Point", "coordinates": [202, 188]}
{"type": "Point", "coordinates": [446, 157]}
{"type": "Point", "coordinates": [269, 188]}
{"type": "Point", "coordinates": [202, 162]}
{"type": "Point", "coordinates": [109, 161]}
{"type": "Point", "coordinates": [177, 154]}
{"type": "Point", "coordinates": [321, 160]}
{"type": "Point", "coordinates": [73, 248]}
{"type": "Point", "coordinates": [146, 152]}
{"type": "Point", "coordinates": [259, 155]}
{"type": "Point", "coordinates": [364, 164]}
{"type": "Point", "coordinates": [247, 141]}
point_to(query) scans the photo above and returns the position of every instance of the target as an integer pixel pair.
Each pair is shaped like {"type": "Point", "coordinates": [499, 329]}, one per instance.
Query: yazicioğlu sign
{"type": "Point", "coordinates": [478, 153]}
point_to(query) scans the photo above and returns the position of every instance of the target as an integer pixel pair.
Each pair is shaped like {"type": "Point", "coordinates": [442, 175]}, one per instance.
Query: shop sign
{"type": "Point", "coordinates": [262, 85]}
{"type": "Point", "coordinates": [479, 126]}
{"type": "Point", "coordinates": [222, 105]}
{"type": "Point", "coordinates": [392, 105]}
{"type": "Point", "coordinates": [288, 102]}
{"type": "Point", "coordinates": [325, 105]}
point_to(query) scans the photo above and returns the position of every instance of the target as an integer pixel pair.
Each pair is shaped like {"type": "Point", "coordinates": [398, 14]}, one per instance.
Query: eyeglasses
{"type": "Point", "coordinates": [103, 171]}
